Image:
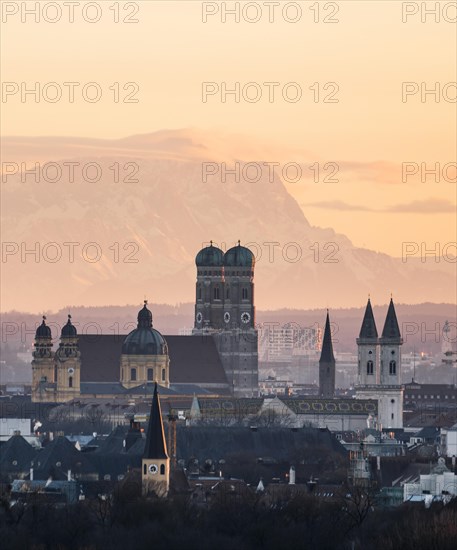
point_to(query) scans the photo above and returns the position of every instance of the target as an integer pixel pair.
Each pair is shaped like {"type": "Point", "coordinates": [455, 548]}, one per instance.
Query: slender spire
{"type": "Point", "coordinates": [155, 439]}
{"type": "Point", "coordinates": [327, 346]}
{"type": "Point", "coordinates": [368, 329]}
{"type": "Point", "coordinates": [391, 328]}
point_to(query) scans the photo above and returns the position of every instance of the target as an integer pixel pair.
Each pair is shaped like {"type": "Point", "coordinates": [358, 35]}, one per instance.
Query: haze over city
{"type": "Point", "coordinates": [229, 275]}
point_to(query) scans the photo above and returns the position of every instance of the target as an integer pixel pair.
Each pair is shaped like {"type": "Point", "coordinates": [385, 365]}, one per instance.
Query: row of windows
{"type": "Point", "coordinates": [228, 273]}
{"type": "Point", "coordinates": [217, 293]}
{"type": "Point", "coordinates": [150, 375]}
{"type": "Point", "coordinates": [392, 367]}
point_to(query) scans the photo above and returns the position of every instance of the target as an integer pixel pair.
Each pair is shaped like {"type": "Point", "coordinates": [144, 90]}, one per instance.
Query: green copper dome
{"type": "Point", "coordinates": [43, 331]}
{"type": "Point", "coordinates": [144, 340]}
{"type": "Point", "coordinates": [239, 256]}
{"type": "Point", "coordinates": [68, 330]}
{"type": "Point", "coordinates": [210, 256]}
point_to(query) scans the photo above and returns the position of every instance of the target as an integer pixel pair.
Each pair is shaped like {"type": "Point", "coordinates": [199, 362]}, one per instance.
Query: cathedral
{"type": "Point", "coordinates": [219, 358]}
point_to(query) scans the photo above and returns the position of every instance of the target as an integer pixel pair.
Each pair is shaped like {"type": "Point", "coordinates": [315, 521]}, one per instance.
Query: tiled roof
{"type": "Point", "coordinates": [59, 456]}
{"type": "Point", "coordinates": [16, 455]}
{"type": "Point", "coordinates": [193, 359]}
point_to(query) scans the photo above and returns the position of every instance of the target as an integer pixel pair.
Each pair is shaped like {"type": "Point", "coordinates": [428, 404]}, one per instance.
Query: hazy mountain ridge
{"type": "Point", "coordinates": [168, 215]}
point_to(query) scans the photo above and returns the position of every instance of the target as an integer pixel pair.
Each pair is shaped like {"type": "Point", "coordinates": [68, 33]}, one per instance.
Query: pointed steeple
{"type": "Point", "coordinates": [155, 439]}
{"type": "Point", "coordinates": [368, 329]}
{"type": "Point", "coordinates": [391, 329]}
{"type": "Point", "coordinates": [327, 346]}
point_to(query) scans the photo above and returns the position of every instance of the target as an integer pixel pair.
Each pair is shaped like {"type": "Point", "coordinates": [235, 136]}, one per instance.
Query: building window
{"type": "Point", "coordinates": [392, 416]}
{"type": "Point", "coordinates": [150, 374]}
{"type": "Point", "coordinates": [244, 294]}
{"type": "Point", "coordinates": [145, 469]}
{"type": "Point", "coordinates": [393, 367]}
{"type": "Point", "coordinates": [199, 293]}
{"type": "Point", "coordinates": [70, 382]}
{"type": "Point", "coordinates": [370, 367]}
{"type": "Point", "coordinates": [162, 469]}
{"type": "Point", "coordinates": [133, 375]}
{"type": "Point", "coordinates": [163, 375]}
{"type": "Point", "coordinates": [227, 293]}
{"type": "Point", "coordinates": [216, 293]}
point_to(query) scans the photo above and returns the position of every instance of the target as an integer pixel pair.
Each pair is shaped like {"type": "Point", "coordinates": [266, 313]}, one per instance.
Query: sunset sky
{"type": "Point", "coordinates": [370, 132]}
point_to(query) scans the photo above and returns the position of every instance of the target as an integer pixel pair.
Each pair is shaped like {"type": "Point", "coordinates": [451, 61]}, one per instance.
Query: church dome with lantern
{"type": "Point", "coordinates": [144, 340]}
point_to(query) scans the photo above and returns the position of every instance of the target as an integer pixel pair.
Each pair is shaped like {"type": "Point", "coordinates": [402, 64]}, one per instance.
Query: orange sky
{"type": "Point", "coordinates": [370, 132]}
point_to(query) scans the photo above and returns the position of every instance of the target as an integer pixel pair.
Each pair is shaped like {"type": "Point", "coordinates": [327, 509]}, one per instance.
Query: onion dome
{"type": "Point", "coordinates": [239, 256]}
{"type": "Point", "coordinates": [68, 330]}
{"type": "Point", "coordinates": [210, 256]}
{"type": "Point", "coordinates": [43, 331]}
{"type": "Point", "coordinates": [144, 340]}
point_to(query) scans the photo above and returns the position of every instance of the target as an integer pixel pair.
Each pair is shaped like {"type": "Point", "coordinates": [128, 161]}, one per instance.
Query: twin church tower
{"type": "Point", "coordinates": [379, 366]}
{"type": "Point", "coordinates": [224, 309]}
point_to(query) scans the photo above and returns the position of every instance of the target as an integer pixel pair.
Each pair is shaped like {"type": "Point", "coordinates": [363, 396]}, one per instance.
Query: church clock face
{"type": "Point", "coordinates": [245, 317]}
{"type": "Point", "coordinates": [226, 317]}
{"type": "Point", "coordinates": [153, 469]}
{"type": "Point", "coordinates": [199, 317]}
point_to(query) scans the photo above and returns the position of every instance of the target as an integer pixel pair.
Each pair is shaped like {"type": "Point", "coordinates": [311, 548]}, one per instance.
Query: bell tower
{"type": "Point", "coordinates": [68, 364]}
{"type": "Point", "coordinates": [43, 375]}
{"type": "Point", "coordinates": [209, 291]}
{"type": "Point", "coordinates": [367, 346]}
{"type": "Point", "coordinates": [155, 472]}
{"type": "Point", "coordinates": [237, 343]}
{"type": "Point", "coordinates": [390, 344]}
